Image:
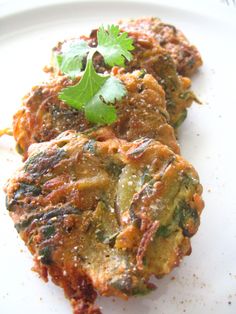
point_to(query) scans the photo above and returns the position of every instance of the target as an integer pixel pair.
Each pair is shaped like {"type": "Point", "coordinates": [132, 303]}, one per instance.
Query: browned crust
{"type": "Point", "coordinates": [186, 56]}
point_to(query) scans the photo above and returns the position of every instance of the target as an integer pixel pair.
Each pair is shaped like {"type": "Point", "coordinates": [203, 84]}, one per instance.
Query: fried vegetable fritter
{"type": "Point", "coordinates": [104, 216]}
{"type": "Point", "coordinates": [142, 113]}
{"type": "Point", "coordinates": [157, 61]}
{"type": "Point", "coordinates": [186, 56]}
{"type": "Point", "coordinates": [148, 55]}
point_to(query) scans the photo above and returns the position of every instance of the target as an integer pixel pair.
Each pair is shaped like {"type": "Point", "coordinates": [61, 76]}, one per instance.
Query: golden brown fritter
{"type": "Point", "coordinates": [186, 56]}
{"type": "Point", "coordinates": [142, 113]}
{"type": "Point", "coordinates": [104, 216]}
{"type": "Point", "coordinates": [157, 61]}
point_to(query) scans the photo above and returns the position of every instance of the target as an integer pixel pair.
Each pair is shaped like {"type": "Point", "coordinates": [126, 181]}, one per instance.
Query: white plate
{"type": "Point", "coordinates": [206, 281]}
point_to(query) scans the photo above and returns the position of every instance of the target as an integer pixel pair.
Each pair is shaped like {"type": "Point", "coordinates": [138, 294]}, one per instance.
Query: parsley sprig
{"type": "Point", "coordinates": [95, 93]}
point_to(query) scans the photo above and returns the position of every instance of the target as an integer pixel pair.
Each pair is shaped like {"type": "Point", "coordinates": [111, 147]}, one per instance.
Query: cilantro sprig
{"type": "Point", "coordinates": [95, 93]}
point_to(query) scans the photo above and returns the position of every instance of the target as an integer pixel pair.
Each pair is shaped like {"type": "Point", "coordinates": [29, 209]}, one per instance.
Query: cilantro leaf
{"type": "Point", "coordinates": [113, 46]}
{"type": "Point", "coordinates": [96, 93]}
{"type": "Point", "coordinates": [70, 59]}
{"type": "Point", "coordinates": [81, 93]}
{"type": "Point", "coordinates": [100, 108]}
{"type": "Point", "coordinates": [100, 113]}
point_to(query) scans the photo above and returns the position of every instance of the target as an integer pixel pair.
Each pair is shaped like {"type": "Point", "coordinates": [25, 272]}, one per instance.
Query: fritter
{"type": "Point", "coordinates": [142, 113]}
{"type": "Point", "coordinates": [148, 55]}
{"type": "Point", "coordinates": [104, 216]}
{"type": "Point", "coordinates": [186, 56]}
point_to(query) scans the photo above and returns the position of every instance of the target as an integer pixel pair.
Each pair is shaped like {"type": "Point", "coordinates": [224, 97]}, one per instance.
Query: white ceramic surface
{"type": "Point", "coordinates": [206, 281]}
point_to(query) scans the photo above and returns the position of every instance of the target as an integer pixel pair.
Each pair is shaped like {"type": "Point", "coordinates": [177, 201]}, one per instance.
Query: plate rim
{"type": "Point", "coordinates": [221, 12]}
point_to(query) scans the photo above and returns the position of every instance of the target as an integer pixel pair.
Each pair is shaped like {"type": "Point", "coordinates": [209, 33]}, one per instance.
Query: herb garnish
{"type": "Point", "coordinates": [96, 93]}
